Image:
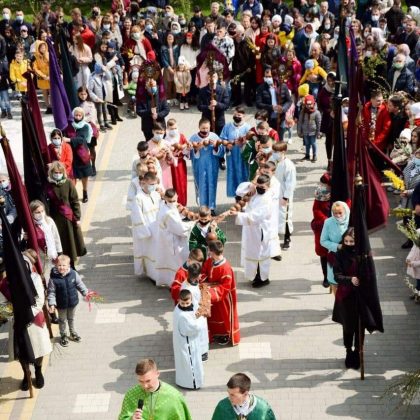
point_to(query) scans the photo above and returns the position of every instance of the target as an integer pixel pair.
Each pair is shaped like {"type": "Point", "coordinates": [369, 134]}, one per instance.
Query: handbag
{"type": "Point", "coordinates": [83, 153]}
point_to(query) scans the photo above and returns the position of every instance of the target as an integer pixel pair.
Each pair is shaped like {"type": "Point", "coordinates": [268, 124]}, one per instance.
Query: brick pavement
{"type": "Point", "coordinates": [290, 347]}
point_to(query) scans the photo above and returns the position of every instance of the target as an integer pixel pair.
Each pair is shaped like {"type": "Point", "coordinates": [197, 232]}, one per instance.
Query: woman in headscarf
{"type": "Point", "coordinates": [331, 235]}
{"type": "Point", "coordinates": [80, 140]}
{"type": "Point", "coordinates": [61, 151]}
{"type": "Point", "coordinates": [64, 209]}
{"type": "Point", "coordinates": [47, 236]}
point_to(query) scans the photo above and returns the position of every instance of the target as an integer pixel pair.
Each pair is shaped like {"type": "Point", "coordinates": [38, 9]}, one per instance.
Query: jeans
{"type": "Point", "coordinates": [101, 113]}
{"type": "Point", "coordinates": [310, 142]}
{"type": "Point", "coordinates": [64, 315]}
{"type": "Point", "coordinates": [5, 101]}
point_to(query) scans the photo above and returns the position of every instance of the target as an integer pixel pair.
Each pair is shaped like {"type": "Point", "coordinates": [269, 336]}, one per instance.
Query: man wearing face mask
{"type": "Point", "coordinates": [19, 22]}
{"type": "Point", "coordinates": [144, 212]}
{"type": "Point", "coordinates": [275, 98]}
{"type": "Point", "coordinates": [256, 231]}
{"type": "Point", "coordinates": [235, 132]}
{"type": "Point", "coordinates": [151, 104]}
{"type": "Point", "coordinates": [399, 77]}
{"type": "Point", "coordinates": [171, 240]}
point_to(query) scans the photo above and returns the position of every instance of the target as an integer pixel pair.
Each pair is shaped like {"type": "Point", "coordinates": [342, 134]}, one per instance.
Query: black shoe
{"type": "Point", "coordinates": [205, 357]}
{"type": "Point", "coordinates": [222, 164]}
{"type": "Point", "coordinates": [286, 245]}
{"type": "Point", "coordinates": [118, 118]}
{"type": "Point", "coordinates": [75, 337]}
{"type": "Point", "coordinates": [407, 244]}
{"type": "Point", "coordinates": [102, 129]}
{"type": "Point", "coordinates": [49, 110]}
{"type": "Point", "coordinates": [306, 157]}
{"type": "Point", "coordinates": [326, 283]}
{"type": "Point", "coordinates": [108, 126]}
{"type": "Point", "coordinates": [24, 386]}
{"type": "Point", "coordinates": [63, 341]}
{"type": "Point", "coordinates": [277, 258]}
{"type": "Point", "coordinates": [39, 377]}
{"type": "Point", "coordinates": [114, 122]}
{"type": "Point", "coordinates": [9, 116]}
{"type": "Point", "coordinates": [93, 170]}
{"type": "Point", "coordinates": [348, 361]}
{"type": "Point", "coordinates": [213, 213]}
{"type": "Point", "coordinates": [85, 197]}
{"type": "Point", "coordinates": [256, 284]}
{"type": "Point", "coordinates": [314, 159]}
{"type": "Point", "coordinates": [223, 340]}
{"type": "Point", "coordinates": [355, 359]}
{"type": "Point", "coordinates": [3, 114]}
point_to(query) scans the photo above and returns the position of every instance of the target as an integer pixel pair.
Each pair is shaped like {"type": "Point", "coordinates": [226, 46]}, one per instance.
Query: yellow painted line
{"type": "Point", "coordinates": [13, 369]}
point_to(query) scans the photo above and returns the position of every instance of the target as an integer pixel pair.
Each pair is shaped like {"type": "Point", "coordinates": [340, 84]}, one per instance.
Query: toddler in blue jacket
{"type": "Point", "coordinates": [62, 294]}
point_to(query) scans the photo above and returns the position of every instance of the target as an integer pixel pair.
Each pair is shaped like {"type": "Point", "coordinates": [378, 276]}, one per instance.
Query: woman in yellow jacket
{"type": "Point", "coordinates": [18, 67]}
{"type": "Point", "coordinates": [41, 68]}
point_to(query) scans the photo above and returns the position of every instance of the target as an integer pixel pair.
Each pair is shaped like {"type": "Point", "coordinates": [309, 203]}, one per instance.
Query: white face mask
{"type": "Point", "coordinates": [151, 188]}
{"type": "Point", "coordinates": [6, 16]}
{"type": "Point", "coordinates": [268, 80]}
{"type": "Point", "coordinates": [171, 205]}
{"type": "Point", "coordinates": [276, 156]}
{"type": "Point", "coordinates": [39, 216]}
{"type": "Point", "coordinates": [173, 133]}
{"type": "Point", "coordinates": [57, 177]}
{"type": "Point", "coordinates": [157, 137]}
{"type": "Point", "coordinates": [4, 184]}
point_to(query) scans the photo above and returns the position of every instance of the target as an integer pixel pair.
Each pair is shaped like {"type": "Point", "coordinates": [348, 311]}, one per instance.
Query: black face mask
{"type": "Point", "coordinates": [186, 308]}
{"type": "Point", "coordinates": [349, 248]}
{"type": "Point", "coordinates": [237, 119]}
{"type": "Point", "coordinates": [202, 223]}
{"type": "Point", "coordinates": [77, 120]}
{"type": "Point", "coordinates": [203, 133]}
{"type": "Point", "coordinates": [261, 190]}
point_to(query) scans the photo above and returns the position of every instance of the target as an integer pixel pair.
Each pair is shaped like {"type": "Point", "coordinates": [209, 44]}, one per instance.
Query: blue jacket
{"type": "Point", "coordinates": [62, 290]}
{"type": "Point", "coordinates": [164, 55]}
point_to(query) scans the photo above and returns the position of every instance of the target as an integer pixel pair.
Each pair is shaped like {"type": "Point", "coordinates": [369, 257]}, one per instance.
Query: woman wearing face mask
{"type": "Point", "coordinates": [47, 236]}
{"type": "Point", "coordinates": [345, 310]}
{"type": "Point", "coordinates": [64, 209]}
{"type": "Point", "coordinates": [136, 49]}
{"type": "Point", "coordinates": [61, 151]}
{"type": "Point", "coordinates": [331, 236]}
{"type": "Point", "coordinates": [80, 139]}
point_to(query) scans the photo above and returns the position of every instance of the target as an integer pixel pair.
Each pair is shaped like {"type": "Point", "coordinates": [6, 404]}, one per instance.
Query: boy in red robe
{"type": "Point", "coordinates": [195, 256]}
{"type": "Point", "coordinates": [218, 274]}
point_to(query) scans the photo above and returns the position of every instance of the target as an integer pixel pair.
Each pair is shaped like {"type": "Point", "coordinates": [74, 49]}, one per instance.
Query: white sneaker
{"type": "Point", "coordinates": [181, 106]}
{"type": "Point", "coordinates": [186, 105]}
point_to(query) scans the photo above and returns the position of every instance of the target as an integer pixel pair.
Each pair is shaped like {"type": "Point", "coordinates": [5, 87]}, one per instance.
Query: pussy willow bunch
{"type": "Point", "coordinates": [252, 46]}
{"type": "Point", "coordinates": [397, 182]}
{"type": "Point", "coordinates": [6, 311]}
{"type": "Point", "coordinates": [410, 231]}
{"type": "Point", "coordinates": [400, 212]}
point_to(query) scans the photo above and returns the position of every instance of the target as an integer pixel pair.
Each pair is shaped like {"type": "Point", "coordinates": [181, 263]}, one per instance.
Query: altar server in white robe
{"type": "Point", "coordinates": [286, 175]}
{"type": "Point", "coordinates": [189, 371]}
{"type": "Point", "coordinates": [172, 239]}
{"type": "Point", "coordinates": [144, 212]}
{"type": "Point", "coordinates": [256, 230]}
{"type": "Point", "coordinates": [193, 285]}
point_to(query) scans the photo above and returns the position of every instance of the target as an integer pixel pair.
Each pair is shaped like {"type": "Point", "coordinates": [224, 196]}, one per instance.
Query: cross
{"type": "Point", "coordinates": [340, 83]}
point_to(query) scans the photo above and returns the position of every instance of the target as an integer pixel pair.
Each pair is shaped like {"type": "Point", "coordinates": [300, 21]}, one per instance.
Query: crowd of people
{"type": "Point", "coordinates": [283, 59]}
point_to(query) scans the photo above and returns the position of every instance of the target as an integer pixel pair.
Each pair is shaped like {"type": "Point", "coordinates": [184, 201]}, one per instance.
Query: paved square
{"type": "Point", "coordinates": [394, 307]}
{"type": "Point", "coordinates": [258, 350]}
{"type": "Point", "coordinates": [92, 403]}
{"type": "Point", "coordinates": [109, 316]}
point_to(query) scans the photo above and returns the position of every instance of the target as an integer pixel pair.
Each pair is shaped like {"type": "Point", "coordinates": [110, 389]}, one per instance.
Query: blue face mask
{"type": "Point", "coordinates": [417, 161]}
{"type": "Point", "coordinates": [153, 90]}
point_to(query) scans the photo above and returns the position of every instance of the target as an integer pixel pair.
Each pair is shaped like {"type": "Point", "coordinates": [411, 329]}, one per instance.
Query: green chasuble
{"type": "Point", "coordinates": [225, 411]}
{"type": "Point", "coordinates": [165, 404]}
{"type": "Point", "coordinates": [248, 155]}
{"type": "Point", "coordinates": [197, 240]}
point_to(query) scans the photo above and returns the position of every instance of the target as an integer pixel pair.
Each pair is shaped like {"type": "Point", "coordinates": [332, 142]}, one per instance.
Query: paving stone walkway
{"type": "Point", "coordinates": [290, 347]}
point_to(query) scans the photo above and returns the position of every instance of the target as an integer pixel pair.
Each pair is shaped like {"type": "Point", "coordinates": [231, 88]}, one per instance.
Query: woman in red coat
{"type": "Point", "coordinates": [61, 151]}
{"type": "Point", "coordinates": [321, 211]}
{"type": "Point", "coordinates": [137, 49]}
{"type": "Point", "coordinates": [260, 42]}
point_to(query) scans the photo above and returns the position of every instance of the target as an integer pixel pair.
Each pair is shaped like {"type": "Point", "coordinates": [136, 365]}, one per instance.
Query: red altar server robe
{"type": "Point", "coordinates": [180, 276]}
{"type": "Point", "coordinates": [224, 315]}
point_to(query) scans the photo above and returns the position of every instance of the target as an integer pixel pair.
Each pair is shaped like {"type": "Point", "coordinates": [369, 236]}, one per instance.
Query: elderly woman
{"type": "Point", "coordinates": [331, 235]}
{"type": "Point", "coordinates": [47, 236]}
{"type": "Point", "coordinates": [64, 209]}
{"type": "Point", "coordinates": [61, 151]}
{"type": "Point", "coordinates": [80, 140]}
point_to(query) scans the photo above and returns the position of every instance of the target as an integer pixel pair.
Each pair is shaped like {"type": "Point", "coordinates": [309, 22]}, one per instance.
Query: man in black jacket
{"type": "Point", "coordinates": [243, 70]}
{"type": "Point", "coordinates": [276, 99]}
{"type": "Point", "coordinates": [399, 77]}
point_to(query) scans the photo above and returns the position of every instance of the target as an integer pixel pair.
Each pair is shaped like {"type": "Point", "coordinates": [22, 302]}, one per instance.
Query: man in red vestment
{"type": "Point", "coordinates": [223, 323]}
{"type": "Point", "coordinates": [377, 120]}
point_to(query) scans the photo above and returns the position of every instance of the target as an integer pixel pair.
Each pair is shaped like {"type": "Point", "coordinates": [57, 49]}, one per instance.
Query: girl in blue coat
{"type": "Point", "coordinates": [332, 234]}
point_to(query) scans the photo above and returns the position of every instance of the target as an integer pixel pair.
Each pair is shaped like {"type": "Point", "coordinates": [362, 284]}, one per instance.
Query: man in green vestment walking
{"type": "Point", "coordinates": [153, 399]}
{"type": "Point", "coordinates": [240, 404]}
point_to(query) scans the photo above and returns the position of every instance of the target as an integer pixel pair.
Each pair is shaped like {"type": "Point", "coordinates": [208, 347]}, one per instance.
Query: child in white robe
{"type": "Point", "coordinates": [193, 285]}
{"type": "Point", "coordinates": [144, 212]}
{"type": "Point", "coordinates": [186, 342]}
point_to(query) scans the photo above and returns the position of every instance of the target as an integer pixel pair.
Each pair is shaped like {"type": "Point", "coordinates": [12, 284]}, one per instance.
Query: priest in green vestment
{"type": "Point", "coordinates": [241, 404]}
{"type": "Point", "coordinates": [158, 400]}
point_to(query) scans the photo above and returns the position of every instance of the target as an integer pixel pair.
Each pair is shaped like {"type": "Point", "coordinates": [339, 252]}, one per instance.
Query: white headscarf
{"type": "Point", "coordinates": [49, 237]}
